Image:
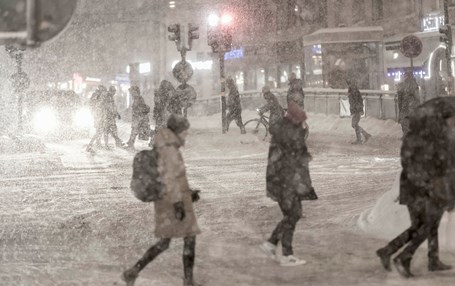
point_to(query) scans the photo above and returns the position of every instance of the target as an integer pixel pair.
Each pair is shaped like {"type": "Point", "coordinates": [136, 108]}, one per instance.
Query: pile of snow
{"type": "Point", "coordinates": [21, 144]}
{"type": "Point", "coordinates": [388, 218]}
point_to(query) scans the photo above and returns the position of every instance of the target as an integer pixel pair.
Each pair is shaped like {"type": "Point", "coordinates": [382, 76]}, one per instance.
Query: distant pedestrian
{"type": "Point", "coordinates": [288, 180]}
{"type": "Point", "coordinates": [426, 183]}
{"type": "Point", "coordinates": [295, 91]}
{"type": "Point", "coordinates": [111, 114]}
{"type": "Point", "coordinates": [234, 106]}
{"type": "Point", "coordinates": [356, 108]}
{"type": "Point", "coordinates": [408, 99]}
{"type": "Point", "coordinates": [174, 214]}
{"type": "Point", "coordinates": [140, 124]}
{"type": "Point", "coordinates": [162, 96]}
{"type": "Point", "coordinates": [272, 105]}
{"type": "Point", "coordinates": [96, 104]}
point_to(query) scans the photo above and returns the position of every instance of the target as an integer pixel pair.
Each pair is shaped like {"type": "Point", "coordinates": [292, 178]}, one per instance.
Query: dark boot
{"type": "Point", "coordinates": [403, 265]}
{"type": "Point", "coordinates": [189, 249]}
{"type": "Point", "coordinates": [434, 264]}
{"type": "Point", "coordinates": [384, 255]}
{"type": "Point", "coordinates": [130, 275]}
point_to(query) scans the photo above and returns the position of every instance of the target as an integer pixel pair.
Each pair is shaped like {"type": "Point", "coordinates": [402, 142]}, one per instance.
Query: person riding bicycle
{"type": "Point", "coordinates": [272, 105]}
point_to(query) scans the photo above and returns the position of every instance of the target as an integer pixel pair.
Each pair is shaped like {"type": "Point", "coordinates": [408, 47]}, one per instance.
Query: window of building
{"type": "Point", "coordinates": [378, 9]}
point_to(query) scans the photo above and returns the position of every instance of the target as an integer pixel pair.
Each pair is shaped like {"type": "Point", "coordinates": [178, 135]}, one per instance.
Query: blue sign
{"type": "Point", "coordinates": [234, 54]}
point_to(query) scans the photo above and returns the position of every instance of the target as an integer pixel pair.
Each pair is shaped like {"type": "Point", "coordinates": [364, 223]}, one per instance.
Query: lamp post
{"type": "Point", "coordinates": [219, 37]}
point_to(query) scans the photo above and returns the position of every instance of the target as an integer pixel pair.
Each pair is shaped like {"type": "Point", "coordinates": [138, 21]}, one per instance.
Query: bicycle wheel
{"type": "Point", "coordinates": [256, 127]}
{"type": "Point", "coordinates": [307, 129]}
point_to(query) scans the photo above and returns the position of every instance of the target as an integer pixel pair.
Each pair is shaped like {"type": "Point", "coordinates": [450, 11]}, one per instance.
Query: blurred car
{"type": "Point", "coordinates": [56, 113]}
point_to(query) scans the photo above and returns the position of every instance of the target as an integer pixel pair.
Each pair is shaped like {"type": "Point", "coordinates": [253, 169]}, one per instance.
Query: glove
{"type": "Point", "coordinates": [195, 195]}
{"type": "Point", "coordinates": [179, 211]}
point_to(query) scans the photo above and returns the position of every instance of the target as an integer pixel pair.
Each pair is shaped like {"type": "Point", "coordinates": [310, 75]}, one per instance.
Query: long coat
{"type": "Point", "coordinates": [427, 156]}
{"type": "Point", "coordinates": [355, 100]}
{"type": "Point", "coordinates": [408, 97]}
{"type": "Point", "coordinates": [233, 101]}
{"type": "Point", "coordinates": [172, 173]}
{"type": "Point", "coordinates": [288, 174]}
{"type": "Point", "coordinates": [295, 92]}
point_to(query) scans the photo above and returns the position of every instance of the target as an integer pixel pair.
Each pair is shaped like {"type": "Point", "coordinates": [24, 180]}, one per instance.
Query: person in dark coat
{"type": "Point", "coordinates": [272, 105]}
{"type": "Point", "coordinates": [140, 124]}
{"type": "Point", "coordinates": [295, 91]}
{"type": "Point", "coordinates": [96, 104]}
{"type": "Point", "coordinates": [162, 96]}
{"type": "Point", "coordinates": [174, 213]}
{"type": "Point", "coordinates": [408, 99]}
{"type": "Point", "coordinates": [426, 183]}
{"type": "Point", "coordinates": [111, 114]}
{"type": "Point", "coordinates": [288, 180]}
{"type": "Point", "coordinates": [356, 108]}
{"type": "Point", "coordinates": [233, 106]}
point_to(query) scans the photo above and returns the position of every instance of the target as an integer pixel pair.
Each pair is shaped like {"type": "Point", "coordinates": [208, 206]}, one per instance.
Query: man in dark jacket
{"type": "Point", "coordinates": [96, 104]}
{"type": "Point", "coordinates": [295, 91]}
{"type": "Point", "coordinates": [426, 183]}
{"type": "Point", "coordinates": [111, 114]}
{"type": "Point", "coordinates": [356, 108]}
{"type": "Point", "coordinates": [140, 120]}
{"type": "Point", "coordinates": [288, 180]}
{"type": "Point", "coordinates": [272, 105]}
{"type": "Point", "coordinates": [408, 99]}
{"type": "Point", "coordinates": [162, 96]}
{"type": "Point", "coordinates": [233, 105]}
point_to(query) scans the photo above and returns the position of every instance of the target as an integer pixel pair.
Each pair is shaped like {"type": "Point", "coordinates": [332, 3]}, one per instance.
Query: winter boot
{"type": "Point", "coordinates": [384, 255]}
{"type": "Point", "coordinates": [291, 260]}
{"type": "Point", "coordinates": [269, 249]}
{"type": "Point", "coordinates": [434, 264]}
{"type": "Point", "coordinates": [130, 275]}
{"type": "Point", "coordinates": [367, 137]}
{"type": "Point", "coordinates": [187, 282]}
{"type": "Point", "coordinates": [403, 265]}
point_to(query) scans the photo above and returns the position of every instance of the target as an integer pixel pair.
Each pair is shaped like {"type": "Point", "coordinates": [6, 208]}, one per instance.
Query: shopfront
{"type": "Point", "coordinates": [332, 55]}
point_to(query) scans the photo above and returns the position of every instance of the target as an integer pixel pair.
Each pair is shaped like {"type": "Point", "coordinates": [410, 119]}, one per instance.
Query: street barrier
{"type": "Point", "coordinates": [378, 104]}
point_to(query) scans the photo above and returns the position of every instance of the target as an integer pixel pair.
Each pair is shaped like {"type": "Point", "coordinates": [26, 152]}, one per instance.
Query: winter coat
{"type": "Point", "coordinates": [408, 97]}
{"type": "Point", "coordinates": [233, 101]}
{"type": "Point", "coordinates": [295, 92]}
{"type": "Point", "coordinates": [287, 174]}
{"type": "Point", "coordinates": [111, 110]}
{"type": "Point", "coordinates": [96, 104]}
{"type": "Point", "coordinates": [355, 100]}
{"type": "Point", "coordinates": [172, 173]}
{"type": "Point", "coordinates": [140, 111]}
{"type": "Point", "coordinates": [428, 156]}
{"type": "Point", "coordinates": [161, 101]}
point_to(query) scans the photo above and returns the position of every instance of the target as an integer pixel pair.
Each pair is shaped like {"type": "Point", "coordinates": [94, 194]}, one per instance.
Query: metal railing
{"type": "Point", "coordinates": [379, 104]}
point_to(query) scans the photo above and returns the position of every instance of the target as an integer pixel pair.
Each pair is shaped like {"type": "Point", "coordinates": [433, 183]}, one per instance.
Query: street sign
{"type": "Point", "coordinates": [411, 46]}
{"type": "Point", "coordinates": [182, 71]}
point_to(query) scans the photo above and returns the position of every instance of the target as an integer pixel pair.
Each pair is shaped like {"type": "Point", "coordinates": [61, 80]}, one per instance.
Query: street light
{"type": "Point", "coordinates": [219, 37]}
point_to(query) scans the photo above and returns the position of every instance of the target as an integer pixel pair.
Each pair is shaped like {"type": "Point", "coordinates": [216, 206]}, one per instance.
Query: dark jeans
{"type": "Point", "coordinates": [284, 231]}
{"type": "Point", "coordinates": [359, 131]}
{"type": "Point", "coordinates": [425, 219]}
{"type": "Point", "coordinates": [237, 116]}
{"type": "Point", "coordinates": [189, 250]}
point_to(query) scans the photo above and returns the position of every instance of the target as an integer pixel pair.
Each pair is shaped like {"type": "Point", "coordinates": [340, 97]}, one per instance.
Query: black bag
{"type": "Point", "coordinates": [145, 182]}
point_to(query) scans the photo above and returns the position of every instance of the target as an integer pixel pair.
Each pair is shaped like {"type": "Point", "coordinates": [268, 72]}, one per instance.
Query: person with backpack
{"type": "Point", "coordinates": [174, 213]}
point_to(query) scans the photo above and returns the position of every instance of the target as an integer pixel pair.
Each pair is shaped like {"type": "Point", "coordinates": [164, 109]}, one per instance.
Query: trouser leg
{"type": "Point", "coordinates": [189, 254]}
{"type": "Point", "coordinates": [229, 119]}
{"type": "Point", "coordinates": [355, 124]}
{"type": "Point", "coordinates": [134, 133]}
{"type": "Point", "coordinates": [239, 122]}
{"type": "Point", "coordinates": [152, 253]}
{"type": "Point", "coordinates": [434, 217]}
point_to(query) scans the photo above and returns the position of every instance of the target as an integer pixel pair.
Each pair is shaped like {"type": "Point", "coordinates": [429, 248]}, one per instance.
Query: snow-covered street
{"type": "Point", "coordinates": [72, 220]}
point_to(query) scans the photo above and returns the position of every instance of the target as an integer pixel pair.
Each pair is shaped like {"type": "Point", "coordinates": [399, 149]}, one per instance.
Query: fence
{"type": "Point", "coordinates": [378, 104]}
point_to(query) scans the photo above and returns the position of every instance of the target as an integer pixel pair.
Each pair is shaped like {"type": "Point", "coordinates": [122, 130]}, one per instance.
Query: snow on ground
{"type": "Point", "coordinates": [79, 224]}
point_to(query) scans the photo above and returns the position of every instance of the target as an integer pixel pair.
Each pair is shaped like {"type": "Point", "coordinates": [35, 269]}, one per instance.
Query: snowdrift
{"type": "Point", "coordinates": [388, 218]}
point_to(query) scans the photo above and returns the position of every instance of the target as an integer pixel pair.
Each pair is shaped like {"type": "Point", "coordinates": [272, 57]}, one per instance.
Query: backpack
{"type": "Point", "coordinates": [145, 182]}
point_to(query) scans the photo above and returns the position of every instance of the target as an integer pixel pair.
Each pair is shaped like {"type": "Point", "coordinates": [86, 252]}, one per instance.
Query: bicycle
{"type": "Point", "coordinates": [260, 127]}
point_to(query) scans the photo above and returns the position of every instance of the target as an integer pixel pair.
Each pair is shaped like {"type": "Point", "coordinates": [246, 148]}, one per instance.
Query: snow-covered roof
{"type": "Point", "coordinates": [344, 35]}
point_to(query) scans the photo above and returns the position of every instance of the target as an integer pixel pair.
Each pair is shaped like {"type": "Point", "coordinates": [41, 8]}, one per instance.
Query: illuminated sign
{"type": "Point", "coordinates": [234, 54]}
{"type": "Point", "coordinates": [432, 22]}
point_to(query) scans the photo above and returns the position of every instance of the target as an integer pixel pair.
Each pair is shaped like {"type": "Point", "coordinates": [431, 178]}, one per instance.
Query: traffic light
{"type": "Point", "coordinates": [226, 39]}
{"type": "Point", "coordinates": [175, 32]}
{"type": "Point", "coordinates": [212, 39]}
{"type": "Point", "coordinates": [446, 35]}
{"type": "Point", "coordinates": [193, 34]}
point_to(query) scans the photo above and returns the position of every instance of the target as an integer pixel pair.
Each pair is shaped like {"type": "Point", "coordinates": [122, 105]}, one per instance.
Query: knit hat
{"type": "Point", "coordinates": [295, 113]}
{"type": "Point", "coordinates": [177, 123]}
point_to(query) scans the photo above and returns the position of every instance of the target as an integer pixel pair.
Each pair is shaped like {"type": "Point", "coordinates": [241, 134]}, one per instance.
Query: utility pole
{"type": "Point", "coordinates": [447, 38]}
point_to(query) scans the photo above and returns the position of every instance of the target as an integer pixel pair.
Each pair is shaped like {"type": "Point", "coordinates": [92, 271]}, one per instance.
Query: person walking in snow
{"type": "Point", "coordinates": [356, 108]}
{"type": "Point", "coordinates": [174, 214]}
{"type": "Point", "coordinates": [162, 96]}
{"type": "Point", "coordinates": [408, 99]}
{"type": "Point", "coordinates": [272, 105]}
{"type": "Point", "coordinates": [96, 104]}
{"type": "Point", "coordinates": [234, 106]}
{"type": "Point", "coordinates": [427, 183]}
{"type": "Point", "coordinates": [288, 181]}
{"type": "Point", "coordinates": [295, 91]}
{"type": "Point", "coordinates": [140, 121]}
{"type": "Point", "coordinates": [111, 114]}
